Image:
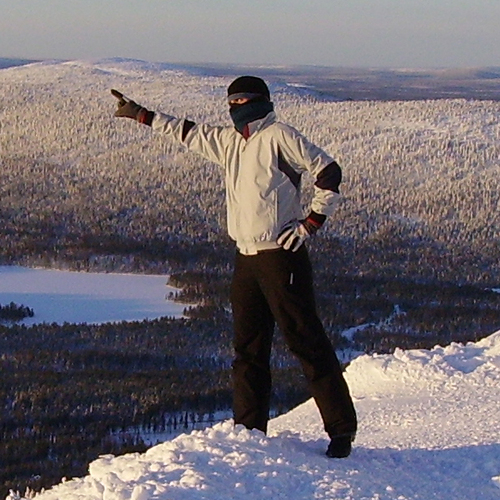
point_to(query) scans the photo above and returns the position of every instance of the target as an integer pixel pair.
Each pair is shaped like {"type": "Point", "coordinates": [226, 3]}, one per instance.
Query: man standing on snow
{"type": "Point", "coordinates": [264, 160]}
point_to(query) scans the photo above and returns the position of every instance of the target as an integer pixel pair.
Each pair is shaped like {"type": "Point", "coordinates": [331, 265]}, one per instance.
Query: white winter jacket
{"type": "Point", "coordinates": [262, 174]}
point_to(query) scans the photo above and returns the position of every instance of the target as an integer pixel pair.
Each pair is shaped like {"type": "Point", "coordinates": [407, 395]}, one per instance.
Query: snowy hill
{"type": "Point", "coordinates": [421, 188]}
{"type": "Point", "coordinates": [429, 429]}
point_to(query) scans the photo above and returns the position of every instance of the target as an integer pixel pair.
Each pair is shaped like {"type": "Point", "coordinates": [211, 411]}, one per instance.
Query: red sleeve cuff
{"type": "Point", "coordinates": [316, 219]}
{"type": "Point", "coordinates": [146, 117]}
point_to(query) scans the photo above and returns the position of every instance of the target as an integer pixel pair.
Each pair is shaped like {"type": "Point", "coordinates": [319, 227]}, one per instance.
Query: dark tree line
{"type": "Point", "coordinates": [15, 312]}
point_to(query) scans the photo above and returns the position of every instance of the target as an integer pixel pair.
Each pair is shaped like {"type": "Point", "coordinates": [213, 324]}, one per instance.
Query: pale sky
{"type": "Point", "coordinates": [355, 33]}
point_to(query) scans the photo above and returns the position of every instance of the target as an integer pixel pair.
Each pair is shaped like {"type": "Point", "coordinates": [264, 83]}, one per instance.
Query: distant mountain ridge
{"type": "Point", "coordinates": [341, 83]}
{"type": "Point", "coordinates": [10, 62]}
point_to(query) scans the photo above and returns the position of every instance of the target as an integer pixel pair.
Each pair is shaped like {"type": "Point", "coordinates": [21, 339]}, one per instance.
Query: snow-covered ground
{"type": "Point", "coordinates": [429, 429]}
{"type": "Point", "coordinates": [78, 297]}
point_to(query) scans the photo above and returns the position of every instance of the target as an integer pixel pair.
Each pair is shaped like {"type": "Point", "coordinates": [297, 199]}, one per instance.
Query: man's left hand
{"type": "Point", "coordinates": [296, 232]}
{"type": "Point", "coordinates": [293, 235]}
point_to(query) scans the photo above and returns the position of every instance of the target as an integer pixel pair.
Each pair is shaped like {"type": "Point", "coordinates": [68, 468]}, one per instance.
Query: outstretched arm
{"type": "Point", "coordinates": [206, 140]}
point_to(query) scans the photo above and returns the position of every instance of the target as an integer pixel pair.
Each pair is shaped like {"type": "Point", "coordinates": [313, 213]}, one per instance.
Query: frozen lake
{"type": "Point", "coordinates": [79, 297]}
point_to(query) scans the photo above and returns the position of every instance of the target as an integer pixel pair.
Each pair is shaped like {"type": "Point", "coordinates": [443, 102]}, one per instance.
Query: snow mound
{"type": "Point", "coordinates": [416, 369]}
{"type": "Point", "coordinates": [223, 462]}
{"type": "Point", "coordinates": [429, 428]}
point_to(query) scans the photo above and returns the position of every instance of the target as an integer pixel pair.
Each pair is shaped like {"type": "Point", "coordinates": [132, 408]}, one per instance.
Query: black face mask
{"type": "Point", "coordinates": [243, 114]}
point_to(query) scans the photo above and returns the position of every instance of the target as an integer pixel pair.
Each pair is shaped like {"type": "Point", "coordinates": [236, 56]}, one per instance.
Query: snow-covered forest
{"type": "Point", "coordinates": [410, 258]}
{"type": "Point", "coordinates": [421, 185]}
{"type": "Point", "coordinates": [81, 189]}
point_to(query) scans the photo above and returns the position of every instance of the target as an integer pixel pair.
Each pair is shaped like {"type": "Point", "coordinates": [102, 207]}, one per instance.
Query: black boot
{"type": "Point", "coordinates": [340, 446]}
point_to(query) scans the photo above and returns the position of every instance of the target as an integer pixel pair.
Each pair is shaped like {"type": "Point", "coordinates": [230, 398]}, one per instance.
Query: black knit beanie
{"type": "Point", "coordinates": [248, 85]}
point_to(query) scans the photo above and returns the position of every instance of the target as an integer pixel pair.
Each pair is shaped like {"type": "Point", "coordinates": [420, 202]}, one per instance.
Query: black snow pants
{"type": "Point", "coordinates": [277, 286]}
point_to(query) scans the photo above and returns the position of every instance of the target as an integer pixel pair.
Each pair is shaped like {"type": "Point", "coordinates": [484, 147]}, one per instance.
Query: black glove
{"type": "Point", "coordinates": [130, 109]}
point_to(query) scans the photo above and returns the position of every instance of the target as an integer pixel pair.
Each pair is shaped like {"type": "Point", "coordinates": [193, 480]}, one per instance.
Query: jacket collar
{"type": "Point", "coordinates": [253, 127]}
